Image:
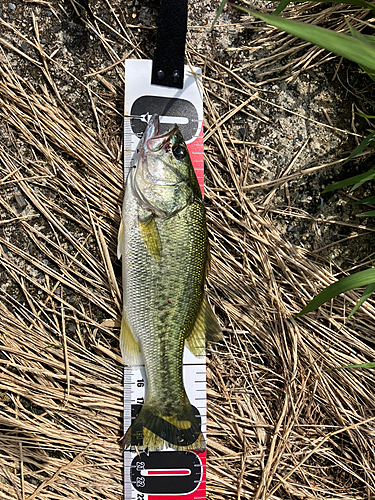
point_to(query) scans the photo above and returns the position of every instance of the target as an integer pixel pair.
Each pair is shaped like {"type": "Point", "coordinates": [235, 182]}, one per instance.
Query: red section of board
{"type": "Point", "coordinates": [195, 149]}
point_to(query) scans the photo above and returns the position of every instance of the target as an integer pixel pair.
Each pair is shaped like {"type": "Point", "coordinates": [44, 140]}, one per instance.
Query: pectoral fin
{"type": "Point", "coordinates": [130, 348]}
{"type": "Point", "coordinates": [150, 236]}
{"type": "Point", "coordinates": [205, 329]}
{"type": "Point", "coordinates": [120, 240]}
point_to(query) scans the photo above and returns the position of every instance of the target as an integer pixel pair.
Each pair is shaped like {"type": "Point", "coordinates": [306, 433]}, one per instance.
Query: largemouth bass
{"type": "Point", "coordinates": [165, 258]}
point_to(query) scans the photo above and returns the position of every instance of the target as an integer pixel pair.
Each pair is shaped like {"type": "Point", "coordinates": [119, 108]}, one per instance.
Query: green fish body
{"type": "Point", "coordinates": [164, 248]}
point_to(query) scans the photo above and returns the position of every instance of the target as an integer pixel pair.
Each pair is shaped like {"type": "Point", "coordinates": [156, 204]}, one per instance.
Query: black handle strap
{"type": "Point", "coordinates": [168, 62]}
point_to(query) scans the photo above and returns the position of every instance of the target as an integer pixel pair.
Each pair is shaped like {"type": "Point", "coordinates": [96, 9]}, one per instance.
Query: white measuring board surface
{"type": "Point", "coordinates": [166, 474]}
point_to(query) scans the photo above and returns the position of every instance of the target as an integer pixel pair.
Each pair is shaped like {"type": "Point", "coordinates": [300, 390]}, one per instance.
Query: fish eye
{"type": "Point", "coordinates": [179, 152]}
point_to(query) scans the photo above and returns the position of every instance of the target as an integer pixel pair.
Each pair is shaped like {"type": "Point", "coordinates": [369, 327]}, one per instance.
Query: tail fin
{"type": "Point", "coordinates": [152, 430]}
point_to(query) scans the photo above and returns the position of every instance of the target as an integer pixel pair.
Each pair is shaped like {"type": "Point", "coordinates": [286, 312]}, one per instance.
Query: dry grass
{"type": "Point", "coordinates": [280, 425]}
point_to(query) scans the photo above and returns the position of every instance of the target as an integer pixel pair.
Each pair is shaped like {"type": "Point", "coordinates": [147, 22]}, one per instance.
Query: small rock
{"type": "Point", "coordinates": [31, 248]}
{"type": "Point", "coordinates": [12, 6]}
{"type": "Point", "coordinates": [24, 47]}
{"type": "Point", "coordinates": [33, 272]}
{"type": "Point", "coordinates": [48, 13]}
{"type": "Point", "coordinates": [20, 199]}
{"type": "Point", "coordinates": [243, 133]}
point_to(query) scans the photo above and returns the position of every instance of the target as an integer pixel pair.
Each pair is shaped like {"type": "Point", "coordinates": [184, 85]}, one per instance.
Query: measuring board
{"type": "Point", "coordinates": [166, 474]}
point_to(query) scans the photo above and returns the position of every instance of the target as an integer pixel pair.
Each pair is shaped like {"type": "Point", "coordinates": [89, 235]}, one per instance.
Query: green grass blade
{"type": "Point", "coordinates": [370, 289]}
{"type": "Point", "coordinates": [368, 214]}
{"type": "Point", "coordinates": [359, 183]}
{"type": "Point", "coordinates": [368, 201]}
{"type": "Point", "coordinates": [362, 365]}
{"type": "Point", "coordinates": [356, 34]}
{"type": "Point", "coordinates": [360, 36]}
{"type": "Point", "coordinates": [365, 38]}
{"type": "Point", "coordinates": [363, 145]}
{"type": "Point", "coordinates": [344, 45]}
{"type": "Point", "coordinates": [359, 3]}
{"type": "Point", "coordinates": [363, 278]}
{"type": "Point", "coordinates": [369, 72]}
{"type": "Point", "coordinates": [219, 11]}
{"type": "Point", "coordinates": [356, 179]}
{"type": "Point", "coordinates": [365, 116]}
{"type": "Point", "coordinates": [281, 7]}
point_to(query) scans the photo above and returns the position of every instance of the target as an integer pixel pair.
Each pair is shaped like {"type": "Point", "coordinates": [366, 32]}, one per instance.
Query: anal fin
{"type": "Point", "coordinates": [130, 348]}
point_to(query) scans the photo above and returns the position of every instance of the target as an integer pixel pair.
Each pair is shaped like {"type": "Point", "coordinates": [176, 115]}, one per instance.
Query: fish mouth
{"type": "Point", "coordinates": [152, 128]}
{"type": "Point", "coordinates": [152, 140]}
